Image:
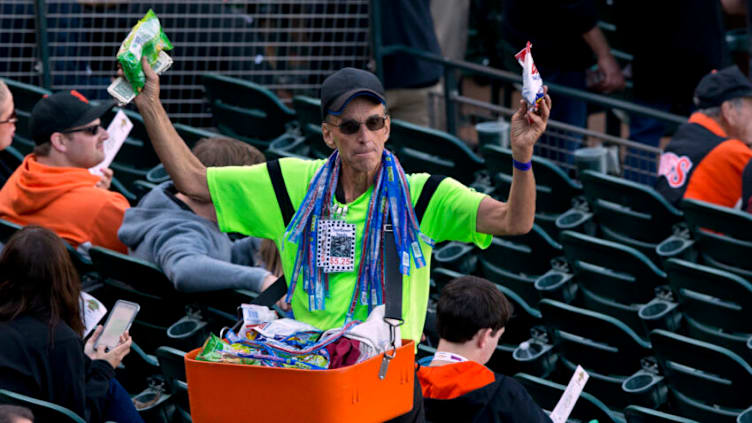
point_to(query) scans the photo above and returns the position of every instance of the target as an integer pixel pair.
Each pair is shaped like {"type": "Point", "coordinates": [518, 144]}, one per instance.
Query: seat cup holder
{"type": "Point", "coordinates": [556, 285]}
{"type": "Point", "coordinates": [676, 247]}
{"type": "Point", "coordinates": [536, 357]}
{"type": "Point", "coordinates": [660, 314]}
{"type": "Point", "coordinates": [576, 220]}
{"type": "Point", "coordinates": [745, 416]}
{"type": "Point", "coordinates": [188, 332]}
{"type": "Point", "coordinates": [646, 388]}
{"type": "Point", "coordinates": [749, 343]}
{"type": "Point", "coordinates": [457, 256]}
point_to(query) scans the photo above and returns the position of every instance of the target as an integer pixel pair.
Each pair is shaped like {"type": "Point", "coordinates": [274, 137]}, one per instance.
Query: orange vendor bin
{"type": "Point", "coordinates": [226, 392]}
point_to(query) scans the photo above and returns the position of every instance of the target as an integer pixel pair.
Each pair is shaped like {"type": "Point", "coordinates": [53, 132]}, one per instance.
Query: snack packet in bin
{"type": "Point", "coordinates": [532, 84]}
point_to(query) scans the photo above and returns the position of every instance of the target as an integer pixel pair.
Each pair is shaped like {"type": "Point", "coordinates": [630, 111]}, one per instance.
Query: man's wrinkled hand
{"type": "Point", "coordinates": [106, 180]}
{"type": "Point", "coordinates": [527, 126]}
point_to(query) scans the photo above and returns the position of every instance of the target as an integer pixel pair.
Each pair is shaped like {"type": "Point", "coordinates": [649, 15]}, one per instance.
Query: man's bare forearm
{"type": "Point", "coordinates": [521, 202]}
{"type": "Point", "coordinates": [186, 171]}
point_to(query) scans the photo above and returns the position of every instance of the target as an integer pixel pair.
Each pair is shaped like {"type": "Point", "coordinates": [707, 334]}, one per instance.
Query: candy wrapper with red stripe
{"type": "Point", "coordinates": [532, 84]}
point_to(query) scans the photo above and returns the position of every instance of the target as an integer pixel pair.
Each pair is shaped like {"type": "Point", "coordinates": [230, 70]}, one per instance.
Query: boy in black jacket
{"type": "Point", "coordinates": [457, 386]}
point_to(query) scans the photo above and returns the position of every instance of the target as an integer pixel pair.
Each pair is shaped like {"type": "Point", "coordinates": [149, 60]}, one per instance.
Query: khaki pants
{"type": "Point", "coordinates": [410, 104]}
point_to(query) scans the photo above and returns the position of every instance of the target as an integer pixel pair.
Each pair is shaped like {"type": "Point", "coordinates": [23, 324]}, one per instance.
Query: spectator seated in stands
{"type": "Point", "coordinates": [43, 355]}
{"type": "Point", "coordinates": [7, 127]}
{"type": "Point", "coordinates": [471, 315]}
{"type": "Point", "coordinates": [53, 186]}
{"type": "Point", "coordinates": [709, 158]}
{"type": "Point", "coordinates": [180, 234]}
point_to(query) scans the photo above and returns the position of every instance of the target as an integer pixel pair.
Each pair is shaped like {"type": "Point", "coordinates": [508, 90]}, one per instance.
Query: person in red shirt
{"type": "Point", "coordinates": [471, 316]}
{"type": "Point", "coordinates": [709, 158]}
{"type": "Point", "coordinates": [53, 186]}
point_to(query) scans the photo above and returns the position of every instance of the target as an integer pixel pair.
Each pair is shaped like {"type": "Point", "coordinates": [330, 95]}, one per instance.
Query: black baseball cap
{"type": "Point", "coordinates": [61, 111]}
{"type": "Point", "coordinates": [723, 85]}
{"type": "Point", "coordinates": [344, 85]}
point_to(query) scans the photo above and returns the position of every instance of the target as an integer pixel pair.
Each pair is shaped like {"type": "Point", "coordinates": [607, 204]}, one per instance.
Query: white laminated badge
{"type": "Point", "coordinates": [340, 247]}
{"type": "Point", "coordinates": [567, 401]}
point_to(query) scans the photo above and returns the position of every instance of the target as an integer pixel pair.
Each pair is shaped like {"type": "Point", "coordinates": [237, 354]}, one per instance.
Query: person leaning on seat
{"type": "Point", "coordinates": [356, 182]}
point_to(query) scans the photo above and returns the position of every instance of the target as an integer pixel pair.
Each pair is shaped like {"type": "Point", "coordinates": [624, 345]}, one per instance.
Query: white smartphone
{"type": "Point", "coordinates": [120, 319]}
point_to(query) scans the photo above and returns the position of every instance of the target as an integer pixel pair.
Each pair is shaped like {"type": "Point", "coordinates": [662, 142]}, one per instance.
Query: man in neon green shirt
{"type": "Point", "coordinates": [355, 124]}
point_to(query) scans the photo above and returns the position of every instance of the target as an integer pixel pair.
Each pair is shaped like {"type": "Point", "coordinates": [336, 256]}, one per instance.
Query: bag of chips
{"type": "Point", "coordinates": [145, 39]}
{"type": "Point", "coordinates": [532, 84]}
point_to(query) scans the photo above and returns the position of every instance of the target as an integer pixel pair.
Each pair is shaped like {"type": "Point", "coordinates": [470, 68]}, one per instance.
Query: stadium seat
{"type": "Point", "coordinates": [716, 304]}
{"type": "Point", "coordinates": [43, 411]}
{"type": "Point", "coordinates": [722, 235]}
{"type": "Point", "coordinates": [628, 212]}
{"type": "Point", "coordinates": [615, 279]}
{"type": "Point", "coordinates": [546, 394]}
{"type": "Point", "coordinates": [554, 189]}
{"type": "Point", "coordinates": [137, 151]}
{"type": "Point", "coordinates": [25, 96]}
{"type": "Point", "coordinates": [308, 112]}
{"type": "Point", "coordinates": [246, 110]}
{"type": "Point", "coordinates": [131, 279]}
{"type": "Point", "coordinates": [11, 157]}
{"type": "Point", "coordinates": [288, 145]}
{"type": "Point", "coordinates": [422, 149]}
{"type": "Point", "coordinates": [7, 229]}
{"type": "Point", "coordinates": [191, 135]}
{"type": "Point", "coordinates": [608, 349]}
{"type": "Point", "coordinates": [172, 365]}
{"type": "Point", "coordinates": [517, 261]}
{"type": "Point", "coordinates": [22, 138]}
{"type": "Point", "coordinates": [637, 414]}
{"type": "Point", "coordinates": [707, 382]}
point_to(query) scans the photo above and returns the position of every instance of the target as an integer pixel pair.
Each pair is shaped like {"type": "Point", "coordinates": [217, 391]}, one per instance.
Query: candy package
{"type": "Point", "coordinates": [532, 84]}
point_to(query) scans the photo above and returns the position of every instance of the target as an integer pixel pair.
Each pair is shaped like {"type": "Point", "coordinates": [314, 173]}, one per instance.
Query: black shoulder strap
{"type": "Point", "coordinates": [425, 195]}
{"type": "Point", "coordinates": [280, 190]}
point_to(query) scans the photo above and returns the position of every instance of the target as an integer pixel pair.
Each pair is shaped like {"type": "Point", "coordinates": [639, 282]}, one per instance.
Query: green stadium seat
{"type": "Point", "coordinates": [25, 96]}
{"type": "Point", "coordinates": [515, 262]}
{"type": "Point", "coordinates": [554, 189]}
{"type": "Point", "coordinates": [7, 229]}
{"type": "Point", "coordinates": [191, 135]}
{"type": "Point", "coordinates": [716, 304]}
{"type": "Point", "coordinates": [43, 411]}
{"type": "Point", "coordinates": [628, 212]}
{"type": "Point", "coordinates": [707, 382]}
{"type": "Point", "coordinates": [547, 393]}
{"type": "Point", "coordinates": [253, 112]}
{"type": "Point", "coordinates": [637, 414]}
{"type": "Point", "coordinates": [22, 138]}
{"type": "Point", "coordinates": [308, 112]}
{"type": "Point", "coordinates": [287, 145]}
{"type": "Point", "coordinates": [172, 365]}
{"type": "Point", "coordinates": [615, 279]}
{"type": "Point", "coordinates": [605, 347]}
{"type": "Point", "coordinates": [722, 235]}
{"type": "Point", "coordinates": [11, 157]}
{"type": "Point", "coordinates": [422, 149]}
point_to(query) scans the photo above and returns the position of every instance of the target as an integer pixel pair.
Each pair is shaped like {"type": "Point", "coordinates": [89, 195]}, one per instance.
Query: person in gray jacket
{"type": "Point", "coordinates": [181, 236]}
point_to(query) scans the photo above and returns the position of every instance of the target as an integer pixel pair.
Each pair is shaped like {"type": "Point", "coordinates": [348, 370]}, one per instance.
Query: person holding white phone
{"type": "Point", "coordinates": [42, 354]}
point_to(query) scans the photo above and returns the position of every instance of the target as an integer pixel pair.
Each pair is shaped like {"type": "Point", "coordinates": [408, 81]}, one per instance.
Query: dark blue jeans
{"type": "Point", "coordinates": [120, 408]}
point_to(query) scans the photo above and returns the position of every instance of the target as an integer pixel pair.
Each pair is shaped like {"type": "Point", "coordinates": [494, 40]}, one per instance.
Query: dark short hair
{"type": "Point", "coordinates": [469, 304]}
{"type": "Point", "coordinates": [9, 413]}
{"type": "Point", "coordinates": [225, 151]}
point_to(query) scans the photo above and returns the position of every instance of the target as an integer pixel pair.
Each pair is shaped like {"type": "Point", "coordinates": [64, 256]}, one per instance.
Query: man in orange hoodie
{"type": "Point", "coordinates": [53, 186]}
{"type": "Point", "coordinates": [471, 316]}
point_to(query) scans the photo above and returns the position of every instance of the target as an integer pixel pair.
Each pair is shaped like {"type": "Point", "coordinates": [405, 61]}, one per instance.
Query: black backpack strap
{"type": "Point", "coordinates": [280, 190]}
{"type": "Point", "coordinates": [425, 195]}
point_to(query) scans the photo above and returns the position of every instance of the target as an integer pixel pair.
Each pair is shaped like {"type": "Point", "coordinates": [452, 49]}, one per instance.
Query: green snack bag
{"type": "Point", "coordinates": [145, 39]}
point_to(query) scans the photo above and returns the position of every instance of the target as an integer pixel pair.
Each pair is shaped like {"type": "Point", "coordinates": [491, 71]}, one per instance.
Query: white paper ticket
{"type": "Point", "coordinates": [118, 131]}
{"type": "Point", "coordinates": [567, 401]}
{"type": "Point", "coordinates": [121, 89]}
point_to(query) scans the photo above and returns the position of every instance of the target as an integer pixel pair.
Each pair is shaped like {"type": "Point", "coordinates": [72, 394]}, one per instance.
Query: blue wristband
{"type": "Point", "coordinates": [521, 165]}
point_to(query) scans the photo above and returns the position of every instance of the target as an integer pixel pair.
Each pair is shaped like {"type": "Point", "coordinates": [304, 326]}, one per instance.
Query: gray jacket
{"type": "Point", "coordinates": [192, 251]}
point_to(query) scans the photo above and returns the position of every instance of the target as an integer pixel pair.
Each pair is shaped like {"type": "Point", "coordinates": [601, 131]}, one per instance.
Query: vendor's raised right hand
{"type": "Point", "coordinates": [150, 92]}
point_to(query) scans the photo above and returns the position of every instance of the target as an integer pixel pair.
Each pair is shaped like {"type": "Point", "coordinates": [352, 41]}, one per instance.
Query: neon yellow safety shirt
{"type": "Point", "coordinates": [245, 202]}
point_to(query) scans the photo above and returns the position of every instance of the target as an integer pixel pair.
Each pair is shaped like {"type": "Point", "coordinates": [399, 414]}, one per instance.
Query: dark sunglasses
{"type": "Point", "coordinates": [12, 119]}
{"type": "Point", "coordinates": [91, 130]}
{"type": "Point", "coordinates": [352, 126]}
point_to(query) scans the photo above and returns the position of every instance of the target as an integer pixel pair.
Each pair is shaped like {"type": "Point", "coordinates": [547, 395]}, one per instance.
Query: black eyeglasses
{"type": "Point", "coordinates": [11, 119]}
{"type": "Point", "coordinates": [352, 126]}
{"type": "Point", "coordinates": [91, 130]}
